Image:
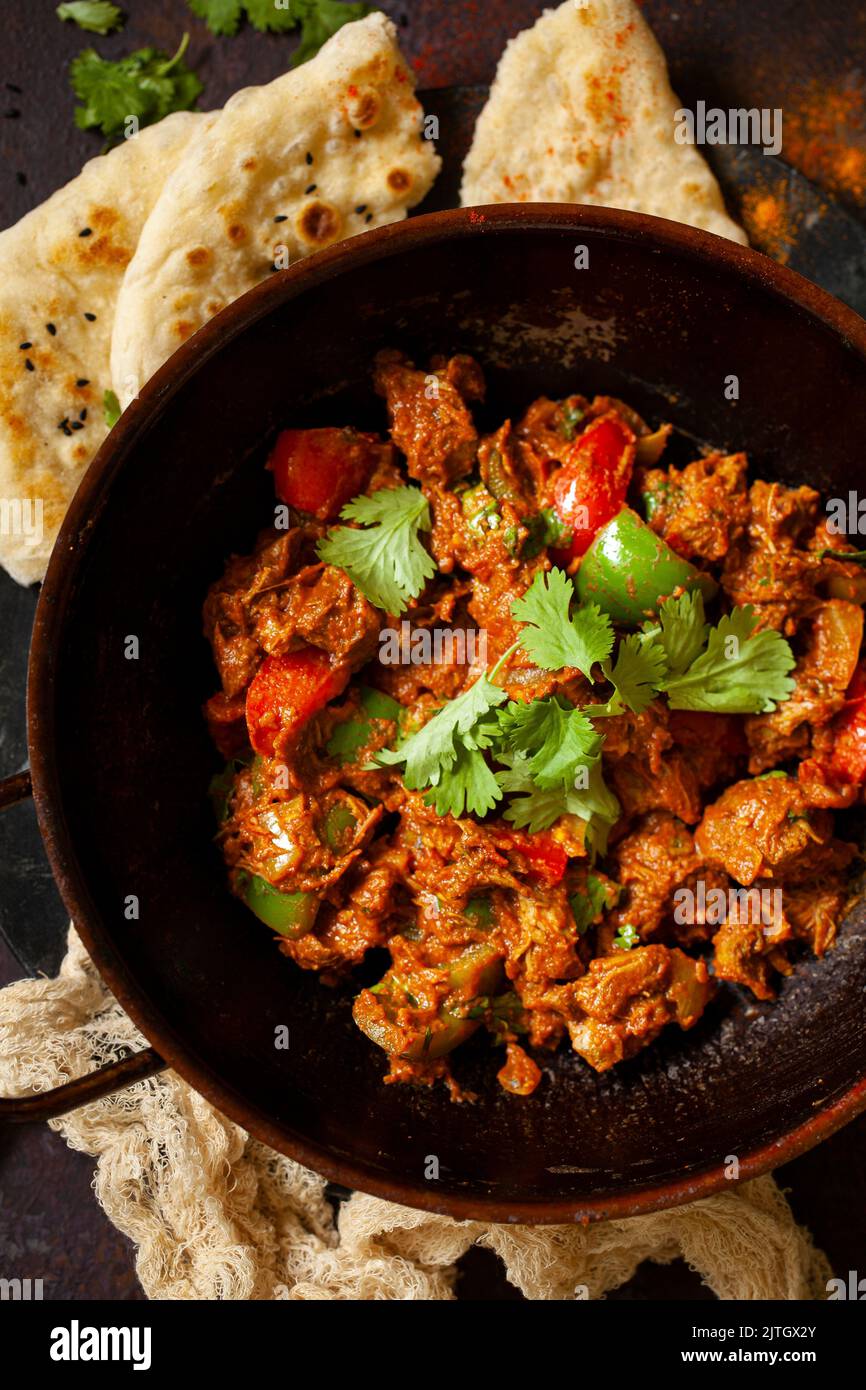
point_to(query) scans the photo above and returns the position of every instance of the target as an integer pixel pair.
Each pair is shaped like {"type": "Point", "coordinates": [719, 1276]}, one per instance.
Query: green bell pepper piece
{"type": "Point", "coordinates": [350, 737]}
{"type": "Point", "coordinates": [290, 914]}
{"type": "Point", "coordinates": [476, 973]}
{"type": "Point", "coordinates": [479, 910]}
{"type": "Point", "coordinates": [628, 570]}
{"type": "Point", "coordinates": [340, 823]}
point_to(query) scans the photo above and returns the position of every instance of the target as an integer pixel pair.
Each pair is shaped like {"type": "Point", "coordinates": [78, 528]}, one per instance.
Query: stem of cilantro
{"type": "Point", "coordinates": [167, 66]}
{"type": "Point", "coordinates": [501, 662]}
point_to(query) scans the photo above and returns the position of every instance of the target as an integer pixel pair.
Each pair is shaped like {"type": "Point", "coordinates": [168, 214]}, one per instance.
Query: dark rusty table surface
{"type": "Point", "coordinates": [764, 53]}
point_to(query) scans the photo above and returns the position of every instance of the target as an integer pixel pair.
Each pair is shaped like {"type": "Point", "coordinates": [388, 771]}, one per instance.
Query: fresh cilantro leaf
{"type": "Point", "coordinates": [111, 406]}
{"type": "Point", "coordinates": [682, 630]}
{"type": "Point", "coordinates": [557, 737]}
{"type": "Point", "coordinates": [639, 669]}
{"type": "Point", "coordinates": [319, 20]}
{"type": "Point", "coordinates": [96, 16]}
{"type": "Point", "coordinates": [223, 16]}
{"type": "Point", "coordinates": [626, 937]}
{"type": "Point", "coordinates": [533, 809]}
{"type": "Point", "coordinates": [386, 560]}
{"type": "Point", "coordinates": [741, 671]}
{"type": "Point", "coordinates": [438, 754]}
{"type": "Point", "coordinates": [467, 785]}
{"type": "Point", "coordinates": [597, 805]}
{"type": "Point", "coordinates": [554, 637]}
{"type": "Point", "coordinates": [537, 808]}
{"type": "Point", "coordinates": [146, 84]}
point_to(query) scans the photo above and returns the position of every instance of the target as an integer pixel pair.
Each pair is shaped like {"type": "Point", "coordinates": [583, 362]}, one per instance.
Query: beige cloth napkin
{"type": "Point", "coordinates": [214, 1214]}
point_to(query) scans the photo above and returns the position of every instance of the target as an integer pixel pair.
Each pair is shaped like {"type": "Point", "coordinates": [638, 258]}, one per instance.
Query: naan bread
{"type": "Point", "coordinates": [328, 150]}
{"type": "Point", "coordinates": [582, 111]}
{"type": "Point", "coordinates": [61, 268]}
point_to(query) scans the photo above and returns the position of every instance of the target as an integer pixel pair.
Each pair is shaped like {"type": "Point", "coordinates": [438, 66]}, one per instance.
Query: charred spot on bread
{"type": "Point", "coordinates": [319, 223]}
{"type": "Point", "coordinates": [364, 107]}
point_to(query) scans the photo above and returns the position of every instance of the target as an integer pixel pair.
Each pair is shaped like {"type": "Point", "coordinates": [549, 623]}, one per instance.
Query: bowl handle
{"type": "Point", "coordinates": [114, 1076]}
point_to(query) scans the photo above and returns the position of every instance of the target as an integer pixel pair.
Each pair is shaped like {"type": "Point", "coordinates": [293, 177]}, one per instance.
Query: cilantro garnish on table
{"type": "Point", "coordinates": [318, 19]}
{"type": "Point", "coordinates": [384, 556]}
{"type": "Point", "coordinates": [146, 84]}
{"type": "Point", "coordinates": [96, 16]}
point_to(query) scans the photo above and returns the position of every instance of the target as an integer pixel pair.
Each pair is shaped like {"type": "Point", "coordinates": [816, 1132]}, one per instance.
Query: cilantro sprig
{"type": "Point", "coordinates": [555, 636]}
{"type": "Point", "coordinates": [146, 84]}
{"type": "Point", "coordinates": [384, 557]}
{"type": "Point", "coordinates": [741, 671]}
{"type": "Point", "coordinates": [636, 674]}
{"type": "Point", "coordinates": [95, 16]}
{"type": "Point", "coordinates": [318, 19]}
{"type": "Point", "coordinates": [557, 738]}
{"type": "Point", "coordinates": [545, 755]}
{"type": "Point", "coordinates": [446, 754]}
{"type": "Point", "coordinates": [730, 668]}
{"type": "Point", "coordinates": [536, 808]}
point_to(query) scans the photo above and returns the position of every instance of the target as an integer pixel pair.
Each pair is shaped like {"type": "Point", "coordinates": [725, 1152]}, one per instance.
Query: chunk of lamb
{"type": "Point", "coordinates": [816, 909]}
{"type": "Point", "coordinates": [746, 953]}
{"type": "Point", "coordinates": [766, 828]}
{"type": "Point", "coordinates": [625, 1000]}
{"type": "Point", "coordinates": [646, 772]}
{"type": "Point", "coordinates": [321, 606]}
{"type": "Point", "coordinates": [651, 863]}
{"type": "Point", "coordinates": [374, 898]}
{"type": "Point", "coordinates": [768, 566]}
{"type": "Point", "coordinates": [229, 623]}
{"type": "Point", "coordinates": [702, 509]}
{"type": "Point", "coordinates": [428, 415]}
{"type": "Point", "coordinates": [822, 675]}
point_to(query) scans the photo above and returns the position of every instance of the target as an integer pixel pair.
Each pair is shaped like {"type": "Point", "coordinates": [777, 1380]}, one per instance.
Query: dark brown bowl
{"type": "Point", "coordinates": [121, 759]}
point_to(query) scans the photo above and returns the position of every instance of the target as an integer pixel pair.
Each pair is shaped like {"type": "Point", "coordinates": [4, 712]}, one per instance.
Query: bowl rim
{"type": "Point", "coordinates": [69, 549]}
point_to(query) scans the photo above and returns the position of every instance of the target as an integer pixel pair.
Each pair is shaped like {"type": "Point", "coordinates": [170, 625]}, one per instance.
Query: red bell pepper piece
{"type": "Point", "coordinates": [286, 691]}
{"type": "Point", "coordinates": [546, 860]}
{"type": "Point", "coordinates": [847, 759]}
{"type": "Point", "coordinates": [319, 471]}
{"type": "Point", "coordinates": [591, 486]}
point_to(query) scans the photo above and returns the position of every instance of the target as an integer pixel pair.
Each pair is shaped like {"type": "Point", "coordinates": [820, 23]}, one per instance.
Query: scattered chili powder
{"type": "Point", "coordinates": [771, 219]}
{"type": "Point", "coordinates": [825, 137]}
